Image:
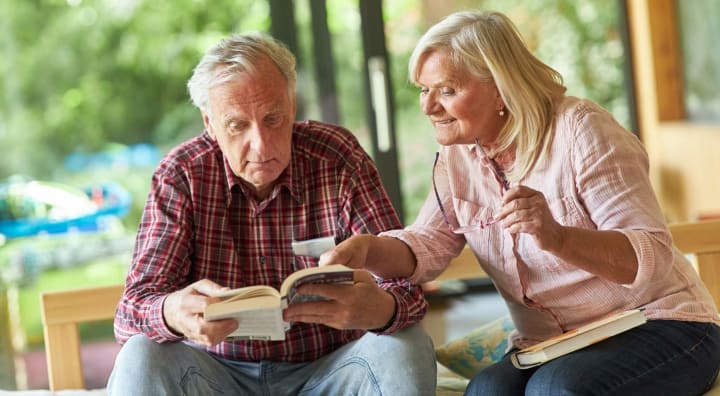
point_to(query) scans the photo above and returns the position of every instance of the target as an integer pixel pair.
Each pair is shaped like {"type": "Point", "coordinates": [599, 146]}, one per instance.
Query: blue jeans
{"type": "Point", "coordinates": [398, 364]}
{"type": "Point", "coordinates": [661, 357]}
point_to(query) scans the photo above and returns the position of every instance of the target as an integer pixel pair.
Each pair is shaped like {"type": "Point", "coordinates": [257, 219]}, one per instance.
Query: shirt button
{"type": "Point", "coordinates": [262, 259]}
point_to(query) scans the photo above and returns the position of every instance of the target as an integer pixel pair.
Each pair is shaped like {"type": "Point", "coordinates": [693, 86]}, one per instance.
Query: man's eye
{"type": "Point", "coordinates": [423, 91]}
{"type": "Point", "coordinates": [447, 92]}
{"type": "Point", "coordinates": [274, 120]}
{"type": "Point", "coordinates": [235, 128]}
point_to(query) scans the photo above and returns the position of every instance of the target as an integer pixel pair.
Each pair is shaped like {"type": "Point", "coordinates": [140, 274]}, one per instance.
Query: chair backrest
{"type": "Point", "coordinates": [61, 313]}
{"type": "Point", "coordinates": [702, 239]}
{"type": "Point", "coordinates": [63, 310]}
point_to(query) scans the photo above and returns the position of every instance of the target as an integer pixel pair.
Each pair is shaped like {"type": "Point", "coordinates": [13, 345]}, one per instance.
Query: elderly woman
{"type": "Point", "coordinates": [554, 199]}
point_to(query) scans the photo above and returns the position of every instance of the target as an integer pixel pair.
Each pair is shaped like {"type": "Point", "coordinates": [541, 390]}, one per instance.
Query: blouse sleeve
{"type": "Point", "coordinates": [611, 175]}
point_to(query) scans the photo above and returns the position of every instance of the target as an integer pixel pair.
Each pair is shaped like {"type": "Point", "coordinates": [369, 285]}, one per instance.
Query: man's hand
{"type": "Point", "coordinates": [183, 313]}
{"type": "Point", "coordinates": [362, 305]}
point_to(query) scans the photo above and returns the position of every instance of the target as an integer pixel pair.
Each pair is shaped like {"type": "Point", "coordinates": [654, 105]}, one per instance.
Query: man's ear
{"type": "Point", "coordinates": [293, 105]}
{"type": "Point", "coordinates": [208, 125]}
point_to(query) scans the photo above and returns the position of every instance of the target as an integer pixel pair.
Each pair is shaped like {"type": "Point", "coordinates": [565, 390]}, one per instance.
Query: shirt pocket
{"type": "Point", "coordinates": [468, 212]}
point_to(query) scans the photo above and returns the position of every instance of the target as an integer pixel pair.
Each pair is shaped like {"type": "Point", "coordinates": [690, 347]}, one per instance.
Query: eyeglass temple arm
{"type": "Point", "coordinates": [437, 195]}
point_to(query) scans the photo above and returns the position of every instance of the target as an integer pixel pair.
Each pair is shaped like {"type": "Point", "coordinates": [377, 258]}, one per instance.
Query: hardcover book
{"type": "Point", "coordinates": [579, 338]}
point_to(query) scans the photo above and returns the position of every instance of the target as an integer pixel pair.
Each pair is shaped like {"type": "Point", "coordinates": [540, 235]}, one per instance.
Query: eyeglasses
{"type": "Point", "coordinates": [485, 221]}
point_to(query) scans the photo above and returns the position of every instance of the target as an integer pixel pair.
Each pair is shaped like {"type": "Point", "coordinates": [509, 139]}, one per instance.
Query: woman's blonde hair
{"type": "Point", "coordinates": [488, 46]}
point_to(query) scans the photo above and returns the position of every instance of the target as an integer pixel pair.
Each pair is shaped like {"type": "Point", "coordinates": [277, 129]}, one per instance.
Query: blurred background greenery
{"type": "Point", "coordinates": [79, 76]}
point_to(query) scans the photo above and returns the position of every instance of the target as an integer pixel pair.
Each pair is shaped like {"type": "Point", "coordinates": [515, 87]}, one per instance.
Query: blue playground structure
{"type": "Point", "coordinates": [32, 207]}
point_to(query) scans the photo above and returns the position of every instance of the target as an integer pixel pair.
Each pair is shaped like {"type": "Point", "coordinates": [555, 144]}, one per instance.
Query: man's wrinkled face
{"type": "Point", "coordinates": [251, 119]}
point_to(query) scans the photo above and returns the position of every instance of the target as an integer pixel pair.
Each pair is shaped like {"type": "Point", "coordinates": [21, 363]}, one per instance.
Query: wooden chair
{"type": "Point", "coordinates": [63, 310]}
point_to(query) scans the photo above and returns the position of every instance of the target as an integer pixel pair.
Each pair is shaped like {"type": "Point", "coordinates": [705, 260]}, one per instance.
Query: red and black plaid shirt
{"type": "Point", "coordinates": [200, 222]}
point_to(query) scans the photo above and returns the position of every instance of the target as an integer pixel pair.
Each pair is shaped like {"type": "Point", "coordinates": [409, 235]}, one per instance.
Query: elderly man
{"type": "Point", "coordinates": [222, 212]}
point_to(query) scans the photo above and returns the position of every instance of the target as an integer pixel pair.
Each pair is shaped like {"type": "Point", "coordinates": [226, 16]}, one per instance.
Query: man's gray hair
{"type": "Point", "coordinates": [235, 55]}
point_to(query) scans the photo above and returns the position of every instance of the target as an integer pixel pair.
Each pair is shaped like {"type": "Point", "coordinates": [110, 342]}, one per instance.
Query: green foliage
{"type": "Point", "coordinates": [80, 73]}
{"type": "Point", "coordinates": [578, 38]}
{"type": "Point", "coordinates": [701, 68]}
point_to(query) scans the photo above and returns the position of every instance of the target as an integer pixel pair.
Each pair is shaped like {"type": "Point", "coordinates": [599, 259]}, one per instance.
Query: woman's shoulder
{"type": "Point", "coordinates": [574, 108]}
{"type": "Point", "coordinates": [575, 116]}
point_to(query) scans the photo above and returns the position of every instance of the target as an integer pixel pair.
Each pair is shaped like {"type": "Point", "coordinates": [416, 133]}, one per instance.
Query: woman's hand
{"type": "Point", "coordinates": [607, 253]}
{"type": "Point", "coordinates": [383, 256]}
{"type": "Point", "coordinates": [351, 252]}
{"type": "Point", "coordinates": [525, 210]}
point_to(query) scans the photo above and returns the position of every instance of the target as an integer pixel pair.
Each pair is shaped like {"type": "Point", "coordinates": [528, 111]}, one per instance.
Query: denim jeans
{"type": "Point", "coordinates": [661, 357]}
{"type": "Point", "coordinates": [398, 364]}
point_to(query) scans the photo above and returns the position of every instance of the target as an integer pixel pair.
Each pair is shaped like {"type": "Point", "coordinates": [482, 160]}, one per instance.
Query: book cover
{"type": "Point", "coordinates": [579, 338]}
{"type": "Point", "coordinates": [258, 309]}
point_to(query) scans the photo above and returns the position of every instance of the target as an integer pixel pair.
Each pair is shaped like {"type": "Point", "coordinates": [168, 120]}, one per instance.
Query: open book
{"type": "Point", "coordinates": [577, 339]}
{"type": "Point", "coordinates": [258, 309]}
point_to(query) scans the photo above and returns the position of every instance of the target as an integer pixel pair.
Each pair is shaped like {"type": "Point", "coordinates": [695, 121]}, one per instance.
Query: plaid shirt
{"type": "Point", "coordinates": [200, 221]}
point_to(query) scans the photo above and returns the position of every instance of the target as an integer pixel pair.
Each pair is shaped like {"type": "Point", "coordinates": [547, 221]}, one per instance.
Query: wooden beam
{"type": "Point", "coordinates": [667, 59]}
{"type": "Point", "coordinates": [697, 237]}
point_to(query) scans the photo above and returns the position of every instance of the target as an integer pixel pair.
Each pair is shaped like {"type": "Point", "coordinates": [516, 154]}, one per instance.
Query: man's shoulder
{"type": "Point", "coordinates": [191, 150]}
{"type": "Point", "coordinates": [321, 140]}
{"type": "Point", "coordinates": [197, 154]}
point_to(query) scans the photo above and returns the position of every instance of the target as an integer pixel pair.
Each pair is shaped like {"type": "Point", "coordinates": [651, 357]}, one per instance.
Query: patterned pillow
{"type": "Point", "coordinates": [476, 350]}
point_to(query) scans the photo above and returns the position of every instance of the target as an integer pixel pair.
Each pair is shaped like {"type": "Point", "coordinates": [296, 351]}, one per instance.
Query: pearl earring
{"type": "Point", "coordinates": [502, 112]}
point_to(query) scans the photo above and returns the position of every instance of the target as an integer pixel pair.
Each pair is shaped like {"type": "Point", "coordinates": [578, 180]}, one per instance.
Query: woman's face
{"type": "Point", "coordinates": [460, 107]}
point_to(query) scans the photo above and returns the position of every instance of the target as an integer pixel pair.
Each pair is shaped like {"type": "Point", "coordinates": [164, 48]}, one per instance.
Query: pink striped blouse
{"type": "Point", "coordinates": [595, 177]}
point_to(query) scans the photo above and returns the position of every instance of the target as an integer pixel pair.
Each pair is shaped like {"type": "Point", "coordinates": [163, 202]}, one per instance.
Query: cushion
{"type": "Point", "coordinates": [478, 349]}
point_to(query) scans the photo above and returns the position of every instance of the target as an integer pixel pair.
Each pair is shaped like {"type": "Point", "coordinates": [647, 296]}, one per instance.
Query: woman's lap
{"type": "Point", "coordinates": [660, 357]}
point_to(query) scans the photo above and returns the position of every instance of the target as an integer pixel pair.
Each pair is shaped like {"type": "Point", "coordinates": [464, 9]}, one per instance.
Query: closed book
{"type": "Point", "coordinates": [578, 338]}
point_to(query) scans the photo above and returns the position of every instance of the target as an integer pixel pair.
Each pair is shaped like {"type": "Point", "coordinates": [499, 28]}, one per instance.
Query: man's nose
{"type": "Point", "coordinates": [260, 138]}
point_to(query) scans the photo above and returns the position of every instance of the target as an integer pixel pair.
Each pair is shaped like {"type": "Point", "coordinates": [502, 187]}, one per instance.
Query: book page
{"type": "Point", "coordinates": [259, 324]}
{"type": "Point", "coordinates": [248, 292]}
{"type": "Point", "coordinates": [231, 308]}
{"type": "Point", "coordinates": [335, 273]}
{"type": "Point", "coordinates": [259, 318]}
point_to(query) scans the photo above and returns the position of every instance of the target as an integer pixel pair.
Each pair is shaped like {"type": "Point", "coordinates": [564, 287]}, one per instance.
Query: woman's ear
{"type": "Point", "coordinates": [499, 102]}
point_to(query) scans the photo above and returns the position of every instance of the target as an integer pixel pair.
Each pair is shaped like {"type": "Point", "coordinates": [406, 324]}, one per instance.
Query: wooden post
{"type": "Point", "coordinates": [7, 351]}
